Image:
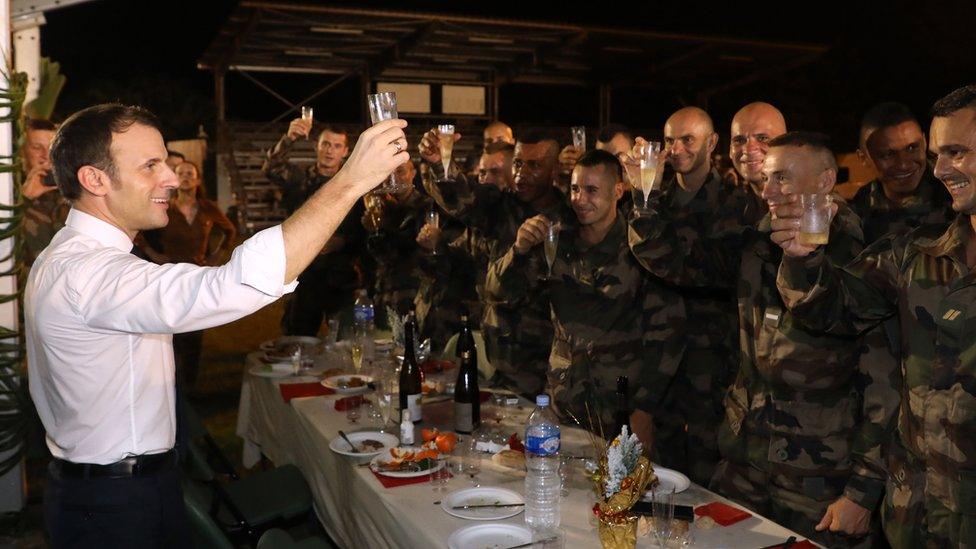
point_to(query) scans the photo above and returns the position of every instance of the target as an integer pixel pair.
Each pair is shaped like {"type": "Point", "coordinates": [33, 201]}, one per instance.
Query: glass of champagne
{"type": "Point", "coordinates": [552, 240]}
{"type": "Point", "coordinates": [445, 139]}
{"type": "Point", "coordinates": [434, 220]}
{"type": "Point", "coordinates": [815, 221]}
{"type": "Point", "coordinates": [383, 106]}
{"type": "Point", "coordinates": [579, 138]}
{"type": "Point", "coordinates": [649, 158]}
{"type": "Point", "coordinates": [356, 349]}
{"type": "Point", "coordinates": [307, 113]}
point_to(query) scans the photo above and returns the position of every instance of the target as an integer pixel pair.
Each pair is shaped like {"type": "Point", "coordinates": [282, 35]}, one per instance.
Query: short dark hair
{"type": "Point", "coordinates": [885, 115]}
{"type": "Point", "coordinates": [500, 147]}
{"type": "Point", "coordinates": [598, 157]}
{"type": "Point", "coordinates": [960, 98]}
{"type": "Point", "coordinates": [608, 132]}
{"type": "Point", "coordinates": [85, 139]}
{"type": "Point", "coordinates": [534, 136]}
{"type": "Point", "coordinates": [175, 154]}
{"type": "Point", "coordinates": [34, 124]}
{"type": "Point", "coordinates": [815, 141]}
{"type": "Point", "coordinates": [332, 129]}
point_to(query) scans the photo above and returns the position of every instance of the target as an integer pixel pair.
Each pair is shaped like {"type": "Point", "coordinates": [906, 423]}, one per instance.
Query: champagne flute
{"type": "Point", "coordinates": [307, 113]}
{"type": "Point", "coordinates": [445, 138]}
{"type": "Point", "coordinates": [434, 220]}
{"type": "Point", "coordinates": [383, 106]}
{"type": "Point", "coordinates": [579, 138]}
{"type": "Point", "coordinates": [648, 167]}
{"type": "Point", "coordinates": [662, 505]}
{"type": "Point", "coordinates": [357, 354]}
{"type": "Point", "coordinates": [552, 240]}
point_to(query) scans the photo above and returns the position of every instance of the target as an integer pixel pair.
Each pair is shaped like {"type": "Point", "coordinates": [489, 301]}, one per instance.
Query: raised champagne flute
{"type": "Point", "coordinates": [649, 159]}
{"type": "Point", "coordinates": [552, 240]}
{"type": "Point", "coordinates": [307, 114]}
{"type": "Point", "coordinates": [579, 138]}
{"type": "Point", "coordinates": [445, 139]}
{"type": "Point", "coordinates": [383, 106]}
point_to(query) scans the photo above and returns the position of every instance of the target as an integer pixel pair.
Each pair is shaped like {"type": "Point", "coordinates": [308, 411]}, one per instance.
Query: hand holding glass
{"type": "Point", "coordinates": [307, 116]}
{"type": "Point", "coordinates": [649, 159]}
{"type": "Point", "coordinates": [383, 106]}
{"type": "Point", "coordinates": [552, 240]}
{"type": "Point", "coordinates": [445, 139]}
{"type": "Point", "coordinates": [579, 138]}
{"type": "Point", "coordinates": [815, 220]}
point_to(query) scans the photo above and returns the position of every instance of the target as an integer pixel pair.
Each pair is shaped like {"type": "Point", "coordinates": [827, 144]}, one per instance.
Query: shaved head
{"type": "Point", "coordinates": [752, 128]}
{"type": "Point", "coordinates": [690, 138]}
{"type": "Point", "coordinates": [692, 116]}
{"type": "Point", "coordinates": [498, 131]}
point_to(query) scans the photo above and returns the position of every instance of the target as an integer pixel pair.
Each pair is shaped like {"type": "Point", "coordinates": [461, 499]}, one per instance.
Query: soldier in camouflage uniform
{"type": "Point", "coordinates": [327, 285]}
{"type": "Point", "coordinates": [803, 425]}
{"type": "Point", "coordinates": [594, 292]}
{"type": "Point", "coordinates": [688, 420]}
{"type": "Point", "coordinates": [518, 340]}
{"type": "Point", "coordinates": [45, 209]}
{"type": "Point", "coordinates": [924, 279]}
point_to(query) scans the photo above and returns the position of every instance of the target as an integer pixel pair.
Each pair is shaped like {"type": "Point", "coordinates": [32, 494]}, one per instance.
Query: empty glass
{"type": "Point", "coordinates": [353, 411]}
{"type": "Point", "coordinates": [439, 478]}
{"type": "Point", "coordinates": [662, 505]}
{"type": "Point", "coordinates": [383, 106]}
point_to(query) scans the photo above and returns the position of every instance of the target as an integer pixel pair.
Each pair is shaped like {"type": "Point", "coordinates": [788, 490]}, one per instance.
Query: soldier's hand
{"type": "Point", "coordinates": [34, 185]}
{"type": "Point", "coordinates": [299, 128]}
{"type": "Point", "coordinates": [531, 233]}
{"type": "Point", "coordinates": [846, 517]}
{"type": "Point", "coordinates": [568, 158]}
{"type": "Point", "coordinates": [379, 150]}
{"type": "Point", "coordinates": [428, 237]}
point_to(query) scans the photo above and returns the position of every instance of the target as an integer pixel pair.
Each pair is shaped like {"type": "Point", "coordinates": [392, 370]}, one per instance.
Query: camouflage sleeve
{"type": "Point", "coordinates": [683, 261]}
{"type": "Point", "coordinates": [664, 343]}
{"type": "Point", "coordinates": [465, 200]}
{"type": "Point", "coordinates": [512, 278]}
{"type": "Point", "coordinates": [842, 301]}
{"type": "Point", "coordinates": [878, 380]}
{"type": "Point", "coordinates": [277, 168]}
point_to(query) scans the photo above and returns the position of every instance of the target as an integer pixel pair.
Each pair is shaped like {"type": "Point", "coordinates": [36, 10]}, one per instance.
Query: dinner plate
{"type": "Point", "coordinates": [489, 536]}
{"type": "Point", "coordinates": [310, 346]}
{"type": "Point", "coordinates": [668, 479]}
{"type": "Point", "coordinates": [385, 458]}
{"type": "Point", "coordinates": [336, 384]}
{"type": "Point", "coordinates": [486, 495]}
{"type": "Point", "coordinates": [340, 446]}
{"type": "Point", "coordinates": [268, 370]}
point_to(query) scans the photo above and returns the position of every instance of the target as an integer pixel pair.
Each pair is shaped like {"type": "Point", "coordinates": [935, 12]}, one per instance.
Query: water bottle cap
{"type": "Point", "coordinates": [542, 400]}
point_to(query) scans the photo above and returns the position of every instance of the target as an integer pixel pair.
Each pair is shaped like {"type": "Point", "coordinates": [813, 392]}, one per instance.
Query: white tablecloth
{"type": "Point", "coordinates": [358, 512]}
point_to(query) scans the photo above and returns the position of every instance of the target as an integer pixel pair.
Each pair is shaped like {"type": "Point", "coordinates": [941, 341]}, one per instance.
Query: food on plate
{"type": "Point", "coordinates": [370, 445]}
{"type": "Point", "coordinates": [350, 383]}
{"type": "Point", "coordinates": [513, 459]}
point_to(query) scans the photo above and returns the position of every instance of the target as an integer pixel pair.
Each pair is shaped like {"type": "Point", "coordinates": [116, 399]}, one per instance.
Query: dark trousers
{"type": "Point", "coordinates": [138, 512]}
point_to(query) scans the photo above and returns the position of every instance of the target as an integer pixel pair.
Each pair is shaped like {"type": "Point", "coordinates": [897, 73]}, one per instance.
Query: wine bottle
{"type": "Point", "coordinates": [465, 338]}
{"type": "Point", "coordinates": [622, 415]}
{"type": "Point", "coordinates": [410, 379]}
{"type": "Point", "coordinates": [467, 398]}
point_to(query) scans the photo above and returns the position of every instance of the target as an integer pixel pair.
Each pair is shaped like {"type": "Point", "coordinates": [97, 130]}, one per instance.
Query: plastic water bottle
{"type": "Point", "coordinates": [364, 327]}
{"type": "Point", "coordinates": [542, 482]}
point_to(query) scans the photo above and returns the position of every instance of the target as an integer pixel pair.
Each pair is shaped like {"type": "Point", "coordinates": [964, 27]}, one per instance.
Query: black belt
{"type": "Point", "coordinates": [135, 466]}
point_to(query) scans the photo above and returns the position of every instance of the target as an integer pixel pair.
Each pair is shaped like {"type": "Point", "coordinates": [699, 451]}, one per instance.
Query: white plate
{"type": "Point", "coordinates": [482, 496]}
{"type": "Point", "coordinates": [335, 383]}
{"type": "Point", "coordinates": [267, 370]}
{"type": "Point", "coordinates": [306, 340]}
{"type": "Point", "coordinates": [340, 446]}
{"type": "Point", "coordinates": [489, 536]}
{"type": "Point", "coordinates": [385, 458]}
{"type": "Point", "coordinates": [668, 479]}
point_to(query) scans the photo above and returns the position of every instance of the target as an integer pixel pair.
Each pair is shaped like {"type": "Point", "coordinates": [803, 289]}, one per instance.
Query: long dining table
{"type": "Point", "coordinates": [357, 511]}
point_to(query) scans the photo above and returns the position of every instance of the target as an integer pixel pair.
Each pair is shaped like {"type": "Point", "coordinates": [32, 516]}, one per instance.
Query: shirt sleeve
{"type": "Point", "coordinates": [117, 291]}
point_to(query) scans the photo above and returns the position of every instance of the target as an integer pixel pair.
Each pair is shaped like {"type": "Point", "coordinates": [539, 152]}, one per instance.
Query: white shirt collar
{"type": "Point", "coordinates": [104, 232]}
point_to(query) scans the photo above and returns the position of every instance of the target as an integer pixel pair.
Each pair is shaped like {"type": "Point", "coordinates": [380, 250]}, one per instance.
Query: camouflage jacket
{"type": "Point", "coordinates": [521, 337]}
{"type": "Point", "coordinates": [340, 268]}
{"type": "Point", "coordinates": [600, 332]}
{"type": "Point", "coordinates": [393, 247]}
{"type": "Point", "coordinates": [922, 279]}
{"type": "Point", "coordinates": [799, 406]}
{"type": "Point", "coordinates": [43, 217]}
{"type": "Point", "coordinates": [931, 204]}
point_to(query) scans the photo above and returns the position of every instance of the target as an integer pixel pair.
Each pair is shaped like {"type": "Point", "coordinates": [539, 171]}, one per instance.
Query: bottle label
{"type": "Point", "coordinates": [542, 442]}
{"type": "Point", "coordinates": [413, 404]}
{"type": "Point", "coordinates": [362, 313]}
{"type": "Point", "coordinates": [463, 417]}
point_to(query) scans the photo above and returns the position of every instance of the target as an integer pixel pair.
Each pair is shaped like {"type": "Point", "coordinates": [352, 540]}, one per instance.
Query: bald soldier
{"type": "Point", "coordinates": [700, 206]}
{"type": "Point", "coordinates": [498, 132]}
{"type": "Point", "coordinates": [752, 128]}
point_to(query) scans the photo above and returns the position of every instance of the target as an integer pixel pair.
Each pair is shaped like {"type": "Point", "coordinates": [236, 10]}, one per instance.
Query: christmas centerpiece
{"type": "Point", "coordinates": [621, 476]}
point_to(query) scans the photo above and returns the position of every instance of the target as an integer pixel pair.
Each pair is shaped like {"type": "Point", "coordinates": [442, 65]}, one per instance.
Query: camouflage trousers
{"type": "Point", "coordinates": [912, 518]}
{"type": "Point", "coordinates": [687, 421]}
{"type": "Point", "coordinates": [796, 503]}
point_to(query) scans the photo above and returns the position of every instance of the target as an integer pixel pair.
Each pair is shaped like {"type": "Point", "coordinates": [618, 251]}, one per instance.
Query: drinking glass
{"type": "Point", "coordinates": [296, 361]}
{"type": "Point", "coordinates": [815, 220]}
{"type": "Point", "coordinates": [579, 138]}
{"type": "Point", "coordinates": [648, 167]}
{"type": "Point", "coordinates": [445, 138]}
{"type": "Point", "coordinates": [472, 457]}
{"type": "Point", "coordinates": [383, 106]}
{"type": "Point", "coordinates": [307, 113]}
{"type": "Point", "coordinates": [356, 349]}
{"type": "Point", "coordinates": [353, 411]}
{"type": "Point", "coordinates": [552, 240]}
{"type": "Point", "coordinates": [662, 505]}
{"type": "Point", "coordinates": [439, 478]}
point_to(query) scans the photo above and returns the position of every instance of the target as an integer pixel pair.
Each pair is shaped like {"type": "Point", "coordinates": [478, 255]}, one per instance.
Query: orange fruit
{"type": "Point", "coordinates": [446, 442]}
{"type": "Point", "coordinates": [428, 434]}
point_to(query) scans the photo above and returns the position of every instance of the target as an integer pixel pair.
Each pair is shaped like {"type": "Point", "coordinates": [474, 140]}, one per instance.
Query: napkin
{"type": "Point", "coordinates": [723, 514]}
{"type": "Point", "coordinates": [393, 482]}
{"type": "Point", "coordinates": [300, 390]}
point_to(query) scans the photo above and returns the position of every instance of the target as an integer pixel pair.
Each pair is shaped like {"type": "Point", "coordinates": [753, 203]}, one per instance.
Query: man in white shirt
{"type": "Point", "coordinates": [99, 321]}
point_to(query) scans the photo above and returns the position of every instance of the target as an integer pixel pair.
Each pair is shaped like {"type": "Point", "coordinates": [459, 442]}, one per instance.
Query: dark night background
{"type": "Point", "coordinates": [145, 52]}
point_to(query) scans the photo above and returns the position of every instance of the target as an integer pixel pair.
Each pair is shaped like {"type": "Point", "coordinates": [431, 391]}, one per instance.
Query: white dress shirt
{"type": "Point", "coordinates": [99, 325]}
